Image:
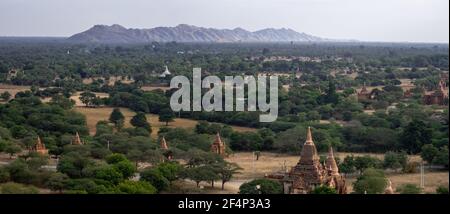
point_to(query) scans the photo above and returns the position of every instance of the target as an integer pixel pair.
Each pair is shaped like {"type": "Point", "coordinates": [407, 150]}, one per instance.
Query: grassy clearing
{"type": "Point", "coordinates": [13, 89]}
{"type": "Point", "coordinates": [93, 115]}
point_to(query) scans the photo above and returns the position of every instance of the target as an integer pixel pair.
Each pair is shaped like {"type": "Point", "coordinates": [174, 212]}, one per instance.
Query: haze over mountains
{"type": "Point", "coordinates": [188, 33]}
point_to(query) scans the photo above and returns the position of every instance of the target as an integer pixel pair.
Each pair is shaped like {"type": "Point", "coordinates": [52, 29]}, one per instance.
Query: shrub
{"type": "Point", "coordinates": [261, 186]}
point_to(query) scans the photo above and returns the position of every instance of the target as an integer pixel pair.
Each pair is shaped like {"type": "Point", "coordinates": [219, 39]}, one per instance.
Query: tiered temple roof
{"type": "Point", "coordinates": [218, 146]}
{"type": "Point", "coordinates": [39, 147]}
{"type": "Point", "coordinates": [330, 163]}
{"type": "Point", "coordinates": [310, 173]}
{"type": "Point", "coordinates": [77, 140]}
{"type": "Point", "coordinates": [308, 168]}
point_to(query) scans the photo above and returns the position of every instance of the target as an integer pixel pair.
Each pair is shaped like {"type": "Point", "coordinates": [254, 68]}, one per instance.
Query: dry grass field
{"type": "Point", "coordinates": [78, 102]}
{"type": "Point", "coordinates": [272, 162]}
{"type": "Point", "coordinates": [93, 115]}
{"type": "Point", "coordinates": [151, 88]}
{"type": "Point", "coordinates": [13, 89]}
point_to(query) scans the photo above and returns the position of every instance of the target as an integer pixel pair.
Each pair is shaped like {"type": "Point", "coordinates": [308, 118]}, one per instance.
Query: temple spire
{"type": "Point", "coordinates": [309, 139]}
{"type": "Point", "coordinates": [389, 189]}
{"type": "Point", "coordinates": [77, 140]}
{"type": "Point", "coordinates": [164, 144]}
{"type": "Point", "coordinates": [331, 163]}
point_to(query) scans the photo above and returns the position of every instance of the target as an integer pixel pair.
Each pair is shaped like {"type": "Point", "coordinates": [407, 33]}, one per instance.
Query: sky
{"type": "Point", "coordinates": [365, 20]}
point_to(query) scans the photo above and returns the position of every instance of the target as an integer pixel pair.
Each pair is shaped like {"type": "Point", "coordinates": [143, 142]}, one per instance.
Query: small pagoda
{"type": "Point", "coordinates": [364, 94]}
{"type": "Point", "coordinates": [165, 148]}
{"type": "Point", "coordinates": [77, 140]}
{"type": "Point", "coordinates": [39, 147]}
{"type": "Point", "coordinates": [218, 147]}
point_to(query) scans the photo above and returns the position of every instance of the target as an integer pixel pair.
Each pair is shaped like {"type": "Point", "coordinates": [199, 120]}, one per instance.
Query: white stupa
{"type": "Point", "coordinates": [166, 72]}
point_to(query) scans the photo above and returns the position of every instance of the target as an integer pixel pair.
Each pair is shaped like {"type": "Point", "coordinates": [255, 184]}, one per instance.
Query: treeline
{"type": "Point", "coordinates": [47, 64]}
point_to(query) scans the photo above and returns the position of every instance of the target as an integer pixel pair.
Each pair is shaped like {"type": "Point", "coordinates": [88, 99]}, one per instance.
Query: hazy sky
{"type": "Point", "coordinates": [368, 20]}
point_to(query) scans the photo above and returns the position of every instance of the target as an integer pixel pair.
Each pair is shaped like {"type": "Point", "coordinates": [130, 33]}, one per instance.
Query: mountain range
{"type": "Point", "coordinates": [189, 33]}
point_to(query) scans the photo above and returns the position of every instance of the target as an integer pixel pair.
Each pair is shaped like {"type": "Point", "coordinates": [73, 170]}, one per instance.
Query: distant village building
{"type": "Point", "coordinates": [165, 73]}
{"type": "Point", "coordinates": [438, 96]}
{"type": "Point", "coordinates": [77, 140]}
{"type": "Point", "coordinates": [218, 147]}
{"type": "Point", "coordinates": [364, 94]}
{"type": "Point", "coordinates": [39, 147]}
{"type": "Point", "coordinates": [407, 94]}
{"type": "Point", "coordinates": [309, 173]}
{"type": "Point", "coordinates": [13, 73]}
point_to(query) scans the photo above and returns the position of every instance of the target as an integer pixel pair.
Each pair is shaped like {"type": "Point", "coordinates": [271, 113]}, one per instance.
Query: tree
{"type": "Point", "coordinates": [140, 120]}
{"type": "Point", "coordinates": [442, 190]}
{"type": "Point", "coordinates": [126, 168]}
{"type": "Point", "coordinates": [136, 187]}
{"type": "Point", "coordinates": [371, 181]}
{"type": "Point", "coordinates": [5, 96]}
{"type": "Point", "coordinates": [257, 154]}
{"type": "Point", "coordinates": [63, 102]}
{"type": "Point", "coordinates": [117, 118]}
{"type": "Point", "coordinates": [170, 170]}
{"type": "Point", "coordinates": [199, 174]}
{"type": "Point", "coordinates": [394, 160]}
{"type": "Point", "coordinates": [15, 188]}
{"type": "Point", "coordinates": [73, 164]}
{"type": "Point", "coordinates": [87, 98]}
{"type": "Point", "coordinates": [442, 157]}
{"type": "Point", "coordinates": [4, 175]}
{"type": "Point", "coordinates": [166, 115]}
{"type": "Point", "coordinates": [348, 165]}
{"type": "Point", "coordinates": [12, 149]}
{"type": "Point", "coordinates": [428, 153]}
{"type": "Point", "coordinates": [155, 177]}
{"type": "Point", "coordinates": [57, 181]}
{"type": "Point", "coordinates": [364, 162]}
{"type": "Point", "coordinates": [226, 171]}
{"type": "Point", "coordinates": [115, 158]}
{"type": "Point", "coordinates": [323, 190]}
{"type": "Point", "coordinates": [414, 136]}
{"type": "Point", "coordinates": [261, 186]}
{"type": "Point", "coordinates": [108, 173]}
{"type": "Point", "coordinates": [409, 189]}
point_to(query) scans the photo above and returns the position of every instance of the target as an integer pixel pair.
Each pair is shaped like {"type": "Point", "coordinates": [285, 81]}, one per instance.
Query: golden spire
{"type": "Point", "coordinates": [164, 143]}
{"type": "Point", "coordinates": [77, 140]}
{"type": "Point", "coordinates": [331, 162]}
{"type": "Point", "coordinates": [218, 139]}
{"type": "Point", "coordinates": [39, 144]}
{"type": "Point", "coordinates": [389, 189]}
{"type": "Point", "coordinates": [309, 139]}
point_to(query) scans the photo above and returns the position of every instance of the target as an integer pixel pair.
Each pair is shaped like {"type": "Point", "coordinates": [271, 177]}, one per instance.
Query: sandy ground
{"type": "Point", "coordinates": [13, 89]}
{"type": "Point", "coordinates": [271, 162]}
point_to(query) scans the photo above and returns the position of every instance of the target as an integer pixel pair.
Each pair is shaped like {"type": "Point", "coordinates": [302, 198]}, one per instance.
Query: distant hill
{"type": "Point", "coordinates": [188, 33]}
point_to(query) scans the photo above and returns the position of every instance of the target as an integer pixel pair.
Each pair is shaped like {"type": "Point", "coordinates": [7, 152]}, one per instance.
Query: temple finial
{"type": "Point", "coordinates": [309, 139]}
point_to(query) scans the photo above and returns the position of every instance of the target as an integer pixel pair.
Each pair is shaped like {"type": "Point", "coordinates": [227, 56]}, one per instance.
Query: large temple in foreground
{"type": "Point", "coordinates": [309, 173]}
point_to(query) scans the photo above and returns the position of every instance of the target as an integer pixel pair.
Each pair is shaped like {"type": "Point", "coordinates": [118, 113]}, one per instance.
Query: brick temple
{"type": "Point", "coordinates": [39, 147]}
{"type": "Point", "coordinates": [309, 173]}
{"type": "Point", "coordinates": [438, 96]}
{"type": "Point", "coordinates": [218, 147]}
